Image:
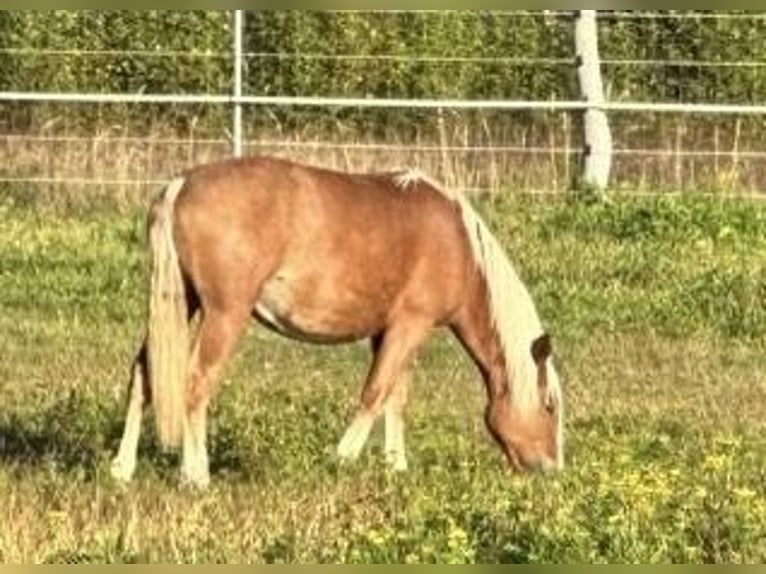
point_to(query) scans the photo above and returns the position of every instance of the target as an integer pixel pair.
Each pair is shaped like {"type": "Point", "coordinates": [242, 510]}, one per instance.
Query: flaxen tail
{"type": "Point", "coordinates": [168, 338]}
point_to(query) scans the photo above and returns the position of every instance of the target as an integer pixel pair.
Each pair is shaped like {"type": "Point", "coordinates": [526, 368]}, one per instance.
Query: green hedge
{"type": "Point", "coordinates": [202, 43]}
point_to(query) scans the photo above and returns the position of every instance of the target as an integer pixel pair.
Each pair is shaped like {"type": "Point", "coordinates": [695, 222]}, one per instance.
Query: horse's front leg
{"type": "Point", "coordinates": [392, 355]}
{"type": "Point", "coordinates": [124, 464]}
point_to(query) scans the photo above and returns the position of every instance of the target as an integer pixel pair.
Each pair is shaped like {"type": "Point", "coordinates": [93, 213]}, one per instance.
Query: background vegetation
{"type": "Point", "coordinates": [490, 55]}
{"type": "Point", "coordinates": [286, 49]}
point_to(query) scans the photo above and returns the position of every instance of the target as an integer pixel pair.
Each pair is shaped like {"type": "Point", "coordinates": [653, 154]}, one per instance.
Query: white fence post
{"type": "Point", "coordinates": [598, 138]}
{"type": "Point", "coordinates": [239, 24]}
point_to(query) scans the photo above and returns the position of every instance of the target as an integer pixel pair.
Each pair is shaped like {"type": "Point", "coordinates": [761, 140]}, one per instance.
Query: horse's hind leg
{"type": "Point", "coordinates": [395, 452]}
{"type": "Point", "coordinates": [218, 334]}
{"type": "Point", "coordinates": [124, 464]}
{"type": "Point", "coordinates": [396, 347]}
{"type": "Point", "coordinates": [397, 401]}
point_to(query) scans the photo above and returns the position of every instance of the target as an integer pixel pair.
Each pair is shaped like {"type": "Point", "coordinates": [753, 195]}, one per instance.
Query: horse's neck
{"type": "Point", "coordinates": [477, 332]}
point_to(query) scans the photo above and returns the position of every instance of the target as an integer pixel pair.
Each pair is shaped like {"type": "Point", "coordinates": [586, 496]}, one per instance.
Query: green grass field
{"type": "Point", "coordinates": [658, 309]}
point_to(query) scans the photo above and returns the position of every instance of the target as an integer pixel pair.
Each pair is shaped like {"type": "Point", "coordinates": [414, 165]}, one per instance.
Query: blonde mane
{"type": "Point", "coordinates": [514, 317]}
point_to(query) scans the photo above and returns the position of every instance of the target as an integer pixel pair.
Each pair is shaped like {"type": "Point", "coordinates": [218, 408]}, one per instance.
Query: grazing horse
{"type": "Point", "coordinates": [330, 257]}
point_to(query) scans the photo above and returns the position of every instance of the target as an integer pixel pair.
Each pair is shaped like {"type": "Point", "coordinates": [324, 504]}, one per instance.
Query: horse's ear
{"type": "Point", "coordinates": [542, 348]}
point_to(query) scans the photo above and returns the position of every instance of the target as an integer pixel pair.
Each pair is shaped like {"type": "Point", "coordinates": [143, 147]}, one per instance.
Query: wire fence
{"type": "Point", "coordinates": [530, 145]}
{"type": "Point", "coordinates": [428, 59]}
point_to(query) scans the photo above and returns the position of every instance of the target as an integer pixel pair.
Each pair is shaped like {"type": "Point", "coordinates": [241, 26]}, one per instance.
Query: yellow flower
{"type": "Point", "coordinates": [744, 493]}
{"type": "Point", "coordinates": [700, 492]}
{"type": "Point", "coordinates": [716, 462]}
{"type": "Point", "coordinates": [376, 537]}
{"type": "Point", "coordinates": [457, 537]}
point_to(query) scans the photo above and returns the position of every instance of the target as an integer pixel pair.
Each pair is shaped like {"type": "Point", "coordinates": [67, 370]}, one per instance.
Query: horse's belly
{"type": "Point", "coordinates": [315, 315]}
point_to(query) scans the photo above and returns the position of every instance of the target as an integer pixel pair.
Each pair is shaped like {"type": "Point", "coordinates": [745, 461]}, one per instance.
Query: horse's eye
{"type": "Point", "coordinates": [550, 405]}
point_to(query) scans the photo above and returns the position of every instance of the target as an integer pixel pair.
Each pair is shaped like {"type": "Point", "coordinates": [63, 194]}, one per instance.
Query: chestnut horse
{"type": "Point", "coordinates": [330, 257]}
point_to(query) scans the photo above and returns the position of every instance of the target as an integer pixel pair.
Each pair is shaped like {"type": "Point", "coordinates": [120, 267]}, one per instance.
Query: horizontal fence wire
{"type": "Point", "coordinates": [401, 58]}
{"type": "Point", "coordinates": [383, 103]}
{"type": "Point", "coordinates": [352, 146]}
{"type": "Point", "coordinates": [76, 53]}
{"type": "Point", "coordinates": [648, 14]}
{"type": "Point", "coordinates": [472, 191]}
{"type": "Point", "coordinates": [610, 14]}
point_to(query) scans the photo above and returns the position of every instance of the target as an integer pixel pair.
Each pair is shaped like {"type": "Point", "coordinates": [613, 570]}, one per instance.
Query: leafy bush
{"type": "Point", "coordinates": [288, 56]}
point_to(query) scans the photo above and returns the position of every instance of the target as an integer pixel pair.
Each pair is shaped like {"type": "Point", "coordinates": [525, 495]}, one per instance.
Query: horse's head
{"type": "Point", "coordinates": [529, 426]}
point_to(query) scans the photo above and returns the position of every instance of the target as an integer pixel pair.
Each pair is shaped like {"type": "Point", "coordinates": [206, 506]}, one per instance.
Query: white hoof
{"type": "Point", "coordinates": [397, 461]}
{"type": "Point", "coordinates": [195, 479]}
{"type": "Point", "coordinates": [353, 441]}
{"type": "Point", "coordinates": [122, 470]}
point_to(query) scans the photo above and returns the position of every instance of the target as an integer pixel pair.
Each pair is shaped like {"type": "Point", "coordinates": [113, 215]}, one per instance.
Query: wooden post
{"type": "Point", "coordinates": [598, 138]}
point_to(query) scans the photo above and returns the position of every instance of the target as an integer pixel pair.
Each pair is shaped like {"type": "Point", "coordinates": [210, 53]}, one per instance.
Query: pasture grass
{"type": "Point", "coordinates": [658, 309]}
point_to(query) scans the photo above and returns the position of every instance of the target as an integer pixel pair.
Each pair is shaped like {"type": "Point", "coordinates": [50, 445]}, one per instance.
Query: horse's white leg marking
{"type": "Point", "coordinates": [397, 346]}
{"type": "Point", "coordinates": [215, 342]}
{"type": "Point", "coordinates": [195, 465]}
{"type": "Point", "coordinates": [396, 455]}
{"type": "Point", "coordinates": [355, 437]}
{"type": "Point", "coordinates": [194, 459]}
{"type": "Point", "coordinates": [124, 464]}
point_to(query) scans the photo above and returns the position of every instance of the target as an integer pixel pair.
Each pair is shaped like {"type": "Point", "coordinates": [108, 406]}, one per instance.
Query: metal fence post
{"type": "Point", "coordinates": [239, 24]}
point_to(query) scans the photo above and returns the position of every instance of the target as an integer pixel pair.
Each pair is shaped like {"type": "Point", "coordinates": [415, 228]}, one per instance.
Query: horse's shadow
{"type": "Point", "coordinates": [80, 433]}
{"type": "Point", "coordinates": [73, 433]}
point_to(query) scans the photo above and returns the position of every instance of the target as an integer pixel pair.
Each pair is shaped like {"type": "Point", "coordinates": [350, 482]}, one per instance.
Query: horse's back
{"type": "Point", "coordinates": [334, 251]}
